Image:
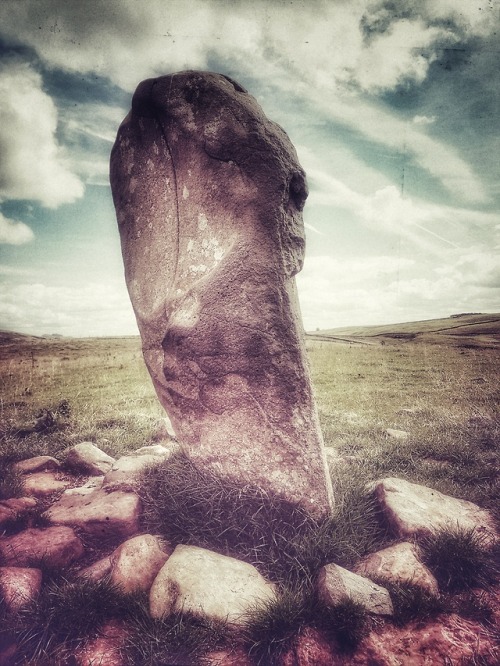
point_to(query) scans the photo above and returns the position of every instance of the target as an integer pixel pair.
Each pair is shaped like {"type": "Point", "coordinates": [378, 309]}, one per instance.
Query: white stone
{"type": "Point", "coordinates": [100, 513]}
{"type": "Point", "coordinates": [398, 564]}
{"type": "Point", "coordinates": [413, 510]}
{"type": "Point", "coordinates": [89, 458]}
{"type": "Point", "coordinates": [336, 583]}
{"type": "Point", "coordinates": [209, 585]}
{"type": "Point", "coordinates": [397, 434]}
{"type": "Point", "coordinates": [126, 470]}
{"type": "Point", "coordinates": [134, 565]}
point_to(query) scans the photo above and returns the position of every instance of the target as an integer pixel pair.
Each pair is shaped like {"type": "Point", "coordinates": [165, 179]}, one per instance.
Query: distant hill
{"type": "Point", "coordinates": [11, 337]}
{"type": "Point", "coordinates": [466, 329]}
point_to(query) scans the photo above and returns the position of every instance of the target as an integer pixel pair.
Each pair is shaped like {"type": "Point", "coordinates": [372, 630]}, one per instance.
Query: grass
{"type": "Point", "coordinates": [460, 560]}
{"type": "Point", "coordinates": [441, 389]}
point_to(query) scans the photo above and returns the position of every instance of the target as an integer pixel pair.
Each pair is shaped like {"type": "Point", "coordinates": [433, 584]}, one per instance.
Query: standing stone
{"type": "Point", "coordinates": [209, 196]}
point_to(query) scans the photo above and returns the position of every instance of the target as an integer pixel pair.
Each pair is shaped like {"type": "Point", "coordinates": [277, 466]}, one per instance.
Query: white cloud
{"type": "Point", "coordinates": [33, 165]}
{"type": "Point", "coordinates": [424, 120]}
{"type": "Point", "coordinates": [13, 232]}
{"type": "Point", "coordinates": [92, 309]}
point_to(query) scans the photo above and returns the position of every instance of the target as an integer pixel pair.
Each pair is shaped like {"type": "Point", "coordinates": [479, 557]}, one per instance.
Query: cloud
{"type": "Point", "coordinates": [88, 310]}
{"type": "Point", "coordinates": [33, 165]}
{"type": "Point", "coordinates": [13, 232]}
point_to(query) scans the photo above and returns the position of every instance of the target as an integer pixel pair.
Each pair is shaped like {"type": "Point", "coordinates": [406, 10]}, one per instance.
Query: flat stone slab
{"type": "Point", "coordinates": [134, 565]}
{"type": "Point", "coordinates": [336, 583]}
{"type": "Point", "coordinates": [43, 484]}
{"type": "Point", "coordinates": [98, 513]}
{"type": "Point", "coordinates": [415, 511]}
{"type": "Point", "coordinates": [209, 585]}
{"type": "Point", "coordinates": [58, 545]}
{"type": "Point", "coordinates": [89, 459]}
{"type": "Point", "coordinates": [398, 564]}
{"type": "Point", "coordinates": [19, 586]}
{"type": "Point", "coordinates": [126, 471]}
{"type": "Point", "coordinates": [12, 509]}
{"type": "Point", "coordinates": [37, 464]}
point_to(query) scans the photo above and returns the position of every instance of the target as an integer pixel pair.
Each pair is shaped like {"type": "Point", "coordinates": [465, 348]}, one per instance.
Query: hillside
{"type": "Point", "coordinates": [462, 330]}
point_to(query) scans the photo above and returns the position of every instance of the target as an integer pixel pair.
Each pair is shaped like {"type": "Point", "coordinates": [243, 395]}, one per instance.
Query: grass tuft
{"type": "Point", "coordinates": [64, 615]}
{"type": "Point", "coordinates": [460, 560]}
{"type": "Point", "coordinates": [181, 638]}
{"type": "Point", "coordinates": [280, 538]}
{"type": "Point", "coordinates": [411, 602]}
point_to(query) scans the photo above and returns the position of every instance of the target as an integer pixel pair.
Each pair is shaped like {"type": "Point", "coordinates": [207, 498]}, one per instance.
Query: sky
{"type": "Point", "coordinates": [393, 107]}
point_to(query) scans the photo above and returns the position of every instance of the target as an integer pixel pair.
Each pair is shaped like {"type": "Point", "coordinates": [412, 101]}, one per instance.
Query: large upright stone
{"type": "Point", "coordinates": [209, 196]}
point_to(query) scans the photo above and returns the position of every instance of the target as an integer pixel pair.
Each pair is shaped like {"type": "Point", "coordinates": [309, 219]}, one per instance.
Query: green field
{"type": "Point", "coordinates": [435, 380]}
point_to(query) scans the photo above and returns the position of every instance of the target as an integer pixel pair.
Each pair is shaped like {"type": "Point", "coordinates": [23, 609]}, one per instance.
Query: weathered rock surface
{"type": "Point", "coordinates": [207, 584]}
{"type": "Point", "coordinates": [398, 564]}
{"type": "Point", "coordinates": [98, 513]}
{"type": "Point", "coordinates": [451, 641]}
{"type": "Point", "coordinates": [58, 545]}
{"type": "Point", "coordinates": [414, 510]}
{"type": "Point", "coordinates": [134, 565]}
{"type": "Point", "coordinates": [88, 458]}
{"type": "Point", "coordinates": [105, 649]}
{"type": "Point", "coordinates": [336, 583]}
{"type": "Point", "coordinates": [397, 434]}
{"type": "Point", "coordinates": [94, 483]}
{"type": "Point", "coordinates": [37, 464]}
{"type": "Point", "coordinates": [209, 196]}
{"type": "Point", "coordinates": [41, 484]}
{"type": "Point", "coordinates": [14, 508]}
{"type": "Point", "coordinates": [310, 649]}
{"type": "Point", "coordinates": [126, 471]}
{"type": "Point", "coordinates": [19, 586]}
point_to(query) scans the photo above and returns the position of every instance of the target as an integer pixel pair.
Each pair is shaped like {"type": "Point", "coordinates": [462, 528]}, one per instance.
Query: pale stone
{"type": "Point", "coordinates": [413, 510]}
{"type": "Point", "coordinates": [58, 545]}
{"type": "Point", "coordinates": [209, 196]}
{"type": "Point", "coordinates": [336, 583]}
{"type": "Point", "coordinates": [397, 434]}
{"type": "Point", "coordinates": [37, 464]}
{"type": "Point", "coordinates": [12, 509]}
{"type": "Point", "coordinates": [19, 586]}
{"type": "Point", "coordinates": [398, 564]}
{"type": "Point", "coordinates": [94, 483]}
{"type": "Point", "coordinates": [134, 565]}
{"type": "Point", "coordinates": [126, 471]}
{"type": "Point", "coordinates": [105, 649]}
{"type": "Point", "coordinates": [208, 584]}
{"type": "Point", "coordinates": [229, 657]}
{"type": "Point", "coordinates": [88, 458]}
{"type": "Point", "coordinates": [100, 512]}
{"type": "Point", "coordinates": [42, 484]}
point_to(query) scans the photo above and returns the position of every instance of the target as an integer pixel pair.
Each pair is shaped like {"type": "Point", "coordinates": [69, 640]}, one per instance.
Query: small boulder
{"type": "Point", "coordinates": [14, 508]}
{"type": "Point", "coordinates": [98, 513]}
{"type": "Point", "coordinates": [37, 464]}
{"type": "Point", "coordinates": [89, 459]}
{"type": "Point", "coordinates": [415, 511]}
{"type": "Point", "coordinates": [398, 564]}
{"type": "Point", "coordinates": [105, 649]}
{"type": "Point", "coordinates": [58, 545]}
{"type": "Point", "coordinates": [94, 483]}
{"type": "Point", "coordinates": [127, 469]}
{"type": "Point", "coordinates": [209, 585]}
{"type": "Point", "coordinates": [134, 565]}
{"type": "Point", "coordinates": [397, 434]}
{"type": "Point", "coordinates": [19, 586]}
{"type": "Point", "coordinates": [336, 583]}
{"type": "Point", "coordinates": [43, 484]}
